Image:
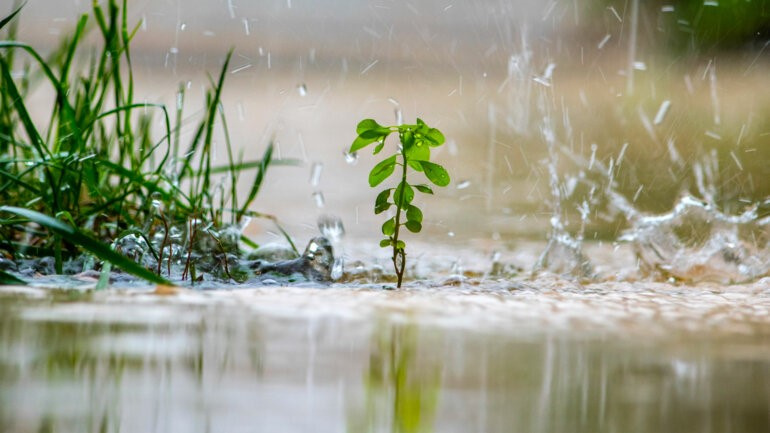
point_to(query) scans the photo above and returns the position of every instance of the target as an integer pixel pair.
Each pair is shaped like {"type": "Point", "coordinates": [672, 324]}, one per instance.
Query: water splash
{"type": "Point", "coordinates": [563, 254]}
{"type": "Point", "coordinates": [351, 158]}
{"type": "Point", "coordinates": [697, 242]}
{"type": "Point", "coordinates": [331, 228]}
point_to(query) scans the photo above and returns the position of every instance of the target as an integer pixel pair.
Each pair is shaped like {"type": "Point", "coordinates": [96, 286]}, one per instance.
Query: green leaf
{"type": "Point", "coordinates": [382, 170]}
{"type": "Point", "coordinates": [425, 189]}
{"type": "Point", "coordinates": [375, 133]}
{"type": "Point", "coordinates": [414, 164]}
{"type": "Point", "coordinates": [435, 173]}
{"type": "Point", "coordinates": [380, 208]}
{"type": "Point", "coordinates": [400, 245]}
{"type": "Point", "coordinates": [8, 19]}
{"type": "Point", "coordinates": [386, 243]}
{"type": "Point", "coordinates": [104, 277]}
{"type": "Point", "coordinates": [381, 204]}
{"type": "Point", "coordinates": [368, 125]}
{"type": "Point", "coordinates": [361, 142]}
{"type": "Point", "coordinates": [389, 227]}
{"type": "Point", "coordinates": [9, 279]}
{"type": "Point", "coordinates": [379, 147]}
{"type": "Point", "coordinates": [413, 213]}
{"type": "Point", "coordinates": [86, 242]}
{"type": "Point", "coordinates": [413, 226]}
{"type": "Point", "coordinates": [403, 195]}
{"type": "Point", "coordinates": [434, 137]}
{"type": "Point", "coordinates": [419, 152]}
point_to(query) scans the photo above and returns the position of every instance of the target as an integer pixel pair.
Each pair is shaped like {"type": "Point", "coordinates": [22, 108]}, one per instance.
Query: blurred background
{"type": "Point", "coordinates": [652, 98]}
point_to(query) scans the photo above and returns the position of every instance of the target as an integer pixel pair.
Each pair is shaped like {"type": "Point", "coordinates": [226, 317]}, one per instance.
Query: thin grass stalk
{"type": "Point", "coordinates": [232, 171]}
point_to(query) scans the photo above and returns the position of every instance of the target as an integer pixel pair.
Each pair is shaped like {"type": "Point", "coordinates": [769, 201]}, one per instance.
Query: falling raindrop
{"type": "Point", "coordinates": [302, 89]}
{"type": "Point", "coordinates": [318, 197]}
{"type": "Point", "coordinates": [594, 147]}
{"type": "Point", "coordinates": [604, 41]}
{"type": "Point", "coordinates": [452, 145]}
{"type": "Point", "coordinates": [397, 111]}
{"type": "Point", "coordinates": [662, 112]}
{"type": "Point", "coordinates": [315, 173]}
{"type": "Point", "coordinates": [463, 184]}
{"type": "Point", "coordinates": [241, 68]}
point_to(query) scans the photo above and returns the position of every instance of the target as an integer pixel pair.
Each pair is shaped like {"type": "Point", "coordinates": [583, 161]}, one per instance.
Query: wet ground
{"type": "Point", "coordinates": [458, 350]}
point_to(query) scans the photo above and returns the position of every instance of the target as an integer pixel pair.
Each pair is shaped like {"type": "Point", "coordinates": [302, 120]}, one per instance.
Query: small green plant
{"type": "Point", "coordinates": [414, 151]}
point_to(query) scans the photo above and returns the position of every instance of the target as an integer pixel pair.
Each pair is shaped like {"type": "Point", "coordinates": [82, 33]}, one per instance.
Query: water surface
{"type": "Point", "coordinates": [451, 353]}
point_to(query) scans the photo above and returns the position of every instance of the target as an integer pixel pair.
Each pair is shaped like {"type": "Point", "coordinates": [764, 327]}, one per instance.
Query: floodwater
{"type": "Point", "coordinates": [453, 352]}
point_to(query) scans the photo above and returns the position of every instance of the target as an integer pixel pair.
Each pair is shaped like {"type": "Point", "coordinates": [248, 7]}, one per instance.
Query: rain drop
{"type": "Point", "coordinates": [315, 173]}
{"type": "Point", "coordinates": [397, 111]}
{"type": "Point", "coordinates": [318, 197]}
{"type": "Point", "coordinates": [302, 89]}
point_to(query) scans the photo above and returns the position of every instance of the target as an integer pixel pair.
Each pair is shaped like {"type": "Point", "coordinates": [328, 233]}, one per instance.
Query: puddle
{"type": "Point", "coordinates": [463, 352]}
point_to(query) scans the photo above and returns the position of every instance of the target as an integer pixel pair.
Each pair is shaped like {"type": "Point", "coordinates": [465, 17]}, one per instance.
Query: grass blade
{"type": "Point", "coordinates": [264, 163]}
{"type": "Point", "coordinates": [86, 242]}
{"type": "Point", "coordinates": [247, 165]}
{"type": "Point", "coordinates": [8, 279]}
{"type": "Point", "coordinates": [8, 19]}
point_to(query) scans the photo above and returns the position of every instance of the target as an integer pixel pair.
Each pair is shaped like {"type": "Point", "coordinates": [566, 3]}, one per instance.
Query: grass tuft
{"type": "Point", "coordinates": [97, 169]}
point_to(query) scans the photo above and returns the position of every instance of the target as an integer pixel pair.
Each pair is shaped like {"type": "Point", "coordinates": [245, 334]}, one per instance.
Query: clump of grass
{"type": "Point", "coordinates": [97, 170]}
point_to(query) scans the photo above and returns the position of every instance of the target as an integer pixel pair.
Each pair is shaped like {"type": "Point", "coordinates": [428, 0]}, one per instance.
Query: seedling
{"type": "Point", "coordinates": [414, 151]}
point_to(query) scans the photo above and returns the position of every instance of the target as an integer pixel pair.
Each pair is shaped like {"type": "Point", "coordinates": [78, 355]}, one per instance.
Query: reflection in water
{"type": "Point", "coordinates": [400, 392]}
{"type": "Point", "coordinates": [136, 364]}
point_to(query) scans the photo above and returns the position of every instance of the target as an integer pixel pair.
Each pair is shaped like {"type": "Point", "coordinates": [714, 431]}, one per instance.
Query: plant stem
{"type": "Point", "coordinates": [399, 253]}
